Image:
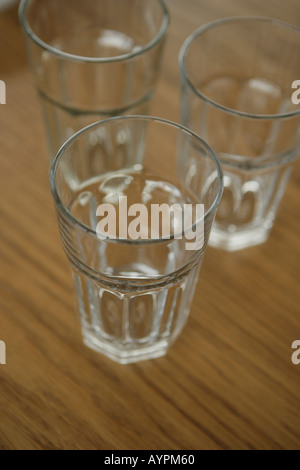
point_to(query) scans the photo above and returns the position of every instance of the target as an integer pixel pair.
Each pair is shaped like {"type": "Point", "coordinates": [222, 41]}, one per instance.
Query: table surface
{"type": "Point", "coordinates": [227, 383]}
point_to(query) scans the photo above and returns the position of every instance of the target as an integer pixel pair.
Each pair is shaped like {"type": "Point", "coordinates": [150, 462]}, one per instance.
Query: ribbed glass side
{"type": "Point", "coordinates": [138, 323]}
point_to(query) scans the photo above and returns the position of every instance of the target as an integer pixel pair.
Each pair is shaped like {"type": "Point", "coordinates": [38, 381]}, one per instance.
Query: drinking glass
{"type": "Point", "coordinates": [236, 93]}
{"type": "Point", "coordinates": [92, 59]}
{"type": "Point", "coordinates": [134, 293]}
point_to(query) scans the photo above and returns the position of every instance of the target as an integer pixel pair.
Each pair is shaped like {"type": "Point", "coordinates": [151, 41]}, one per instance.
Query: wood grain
{"type": "Point", "coordinates": [227, 383]}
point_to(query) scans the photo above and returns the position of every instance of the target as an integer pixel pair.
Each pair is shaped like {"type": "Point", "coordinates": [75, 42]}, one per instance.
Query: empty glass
{"type": "Point", "coordinates": [92, 59]}
{"type": "Point", "coordinates": [133, 295]}
{"type": "Point", "coordinates": [236, 79]}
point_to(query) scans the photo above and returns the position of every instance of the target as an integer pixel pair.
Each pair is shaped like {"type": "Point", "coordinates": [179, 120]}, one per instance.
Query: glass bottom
{"type": "Point", "coordinates": [133, 325]}
{"type": "Point", "coordinates": [137, 354]}
{"type": "Point", "coordinates": [238, 241]}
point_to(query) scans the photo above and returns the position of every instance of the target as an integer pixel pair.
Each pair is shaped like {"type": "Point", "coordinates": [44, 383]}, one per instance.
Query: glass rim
{"type": "Point", "coordinates": [78, 224]}
{"type": "Point", "coordinates": [84, 59]}
{"type": "Point", "coordinates": [210, 26]}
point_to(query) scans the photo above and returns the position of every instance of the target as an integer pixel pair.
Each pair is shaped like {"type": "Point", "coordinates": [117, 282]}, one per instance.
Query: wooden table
{"type": "Point", "coordinates": [228, 382]}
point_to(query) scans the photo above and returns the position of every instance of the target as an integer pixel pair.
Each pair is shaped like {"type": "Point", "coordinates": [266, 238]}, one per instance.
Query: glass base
{"type": "Point", "coordinates": [237, 241]}
{"type": "Point", "coordinates": [125, 356]}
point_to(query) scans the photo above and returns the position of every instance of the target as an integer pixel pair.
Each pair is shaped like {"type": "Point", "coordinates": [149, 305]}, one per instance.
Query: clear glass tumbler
{"type": "Point", "coordinates": [134, 293]}
{"type": "Point", "coordinates": [92, 59]}
{"type": "Point", "coordinates": [236, 93]}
